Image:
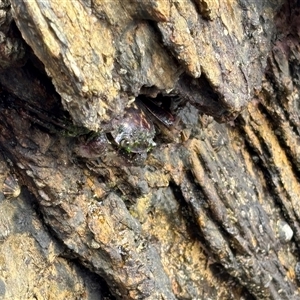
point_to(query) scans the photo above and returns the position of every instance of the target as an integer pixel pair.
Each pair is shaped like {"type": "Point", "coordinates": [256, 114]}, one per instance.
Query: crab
{"type": "Point", "coordinates": [134, 134]}
{"type": "Point", "coordinates": [131, 135]}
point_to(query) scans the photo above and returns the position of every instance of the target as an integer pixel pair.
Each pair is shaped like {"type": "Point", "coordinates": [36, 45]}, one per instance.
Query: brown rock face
{"type": "Point", "coordinates": [210, 210]}
{"type": "Point", "coordinates": [101, 55]}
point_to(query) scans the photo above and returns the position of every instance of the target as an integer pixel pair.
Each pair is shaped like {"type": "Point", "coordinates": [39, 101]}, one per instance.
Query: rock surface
{"type": "Point", "coordinates": [100, 55]}
{"type": "Point", "coordinates": [213, 210]}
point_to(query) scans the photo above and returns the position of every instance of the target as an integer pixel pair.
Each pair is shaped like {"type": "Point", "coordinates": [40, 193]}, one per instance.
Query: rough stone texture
{"type": "Point", "coordinates": [100, 54]}
{"type": "Point", "coordinates": [213, 211]}
{"type": "Point", "coordinates": [12, 47]}
{"type": "Point", "coordinates": [32, 263]}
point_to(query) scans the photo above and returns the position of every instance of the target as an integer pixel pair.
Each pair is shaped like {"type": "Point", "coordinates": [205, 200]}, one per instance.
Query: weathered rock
{"type": "Point", "coordinates": [209, 206]}
{"type": "Point", "coordinates": [12, 47]}
{"type": "Point", "coordinates": [32, 260]}
{"type": "Point", "coordinates": [101, 55]}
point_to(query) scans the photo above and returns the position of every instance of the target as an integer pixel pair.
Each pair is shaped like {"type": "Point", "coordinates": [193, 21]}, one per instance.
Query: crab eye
{"type": "Point", "coordinates": [124, 143]}
{"type": "Point", "coordinates": [134, 133]}
{"type": "Point", "coordinates": [121, 138]}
